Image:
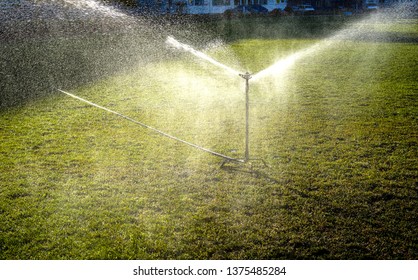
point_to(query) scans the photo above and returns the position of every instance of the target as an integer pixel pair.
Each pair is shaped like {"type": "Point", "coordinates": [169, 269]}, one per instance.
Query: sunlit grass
{"type": "Point", "coordinates": [338, 131]}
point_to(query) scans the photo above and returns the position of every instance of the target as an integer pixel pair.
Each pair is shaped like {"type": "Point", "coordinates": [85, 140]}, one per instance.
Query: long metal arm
{"type": "Point", "coordinates": [151, 128]}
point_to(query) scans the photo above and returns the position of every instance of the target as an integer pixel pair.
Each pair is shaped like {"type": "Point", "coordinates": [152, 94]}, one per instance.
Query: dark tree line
{"type": "Point", "coordinates": [127, 3]}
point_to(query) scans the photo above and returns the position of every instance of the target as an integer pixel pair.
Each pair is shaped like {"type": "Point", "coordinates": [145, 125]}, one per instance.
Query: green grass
{"type": "Point", "coordinates": [338, 131]}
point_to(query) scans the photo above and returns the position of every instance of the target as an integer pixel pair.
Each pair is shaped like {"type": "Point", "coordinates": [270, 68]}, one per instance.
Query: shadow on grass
{"type": "Point", "coordinates": [249, 170]}
{"type": "Point", "coordinates": [261, 171]}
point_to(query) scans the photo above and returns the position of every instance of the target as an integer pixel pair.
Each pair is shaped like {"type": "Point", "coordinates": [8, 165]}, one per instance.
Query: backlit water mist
{"type": "Point", "coordinates": [173, 42]}
{"type": "Point", "coordinates": [333, 116]}
{"type": "Point", "coordinates": [48, 44]}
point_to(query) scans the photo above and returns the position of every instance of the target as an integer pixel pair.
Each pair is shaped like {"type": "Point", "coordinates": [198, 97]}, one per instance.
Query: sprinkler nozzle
{"type": "Point", "coordinates": [246, 76]}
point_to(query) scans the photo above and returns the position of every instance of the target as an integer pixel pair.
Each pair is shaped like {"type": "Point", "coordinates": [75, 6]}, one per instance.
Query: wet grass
{"type": "Point", "coordinates": [338, 131]}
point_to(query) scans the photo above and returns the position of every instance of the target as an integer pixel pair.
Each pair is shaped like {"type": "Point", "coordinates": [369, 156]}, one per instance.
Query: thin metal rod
{"type": "Point", "coordinates": [247, 121]}
{"type": "Point", "coordinates": [151, 128]}
{"type": "Point", "coordinates": [247, 76]}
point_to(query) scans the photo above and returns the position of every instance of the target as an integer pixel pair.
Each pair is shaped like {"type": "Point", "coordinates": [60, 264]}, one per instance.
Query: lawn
{"type": "Point", "coordinates": [338, 130]}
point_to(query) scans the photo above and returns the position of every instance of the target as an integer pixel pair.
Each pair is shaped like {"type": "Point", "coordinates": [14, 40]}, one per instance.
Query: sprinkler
{"type": "Point", "coordinates": [247, 76]}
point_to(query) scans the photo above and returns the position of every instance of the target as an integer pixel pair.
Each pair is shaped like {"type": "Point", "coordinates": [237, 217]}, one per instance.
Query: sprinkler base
{"type": "Point", "coordinates": [244, 161]}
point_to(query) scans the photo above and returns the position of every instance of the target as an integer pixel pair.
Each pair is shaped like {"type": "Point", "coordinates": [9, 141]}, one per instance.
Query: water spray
{"type": "Point", "coordinates": [174, 43]}
{"type": "Point", "coordinates": [277, 67]}
{"type": "Point", "coordinates": [247, 76]}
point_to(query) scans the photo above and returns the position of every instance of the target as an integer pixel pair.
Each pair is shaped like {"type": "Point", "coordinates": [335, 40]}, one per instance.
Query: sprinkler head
{"type": "Point", "coordinates": [246, 76]}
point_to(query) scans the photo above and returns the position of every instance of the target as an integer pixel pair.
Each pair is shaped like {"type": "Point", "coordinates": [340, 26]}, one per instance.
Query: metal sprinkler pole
{"type": "Point", "coordinates": [247, 76]}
